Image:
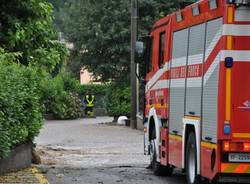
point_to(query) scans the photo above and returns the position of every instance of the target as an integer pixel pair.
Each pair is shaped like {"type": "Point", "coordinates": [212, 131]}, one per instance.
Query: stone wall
{"type": "Point", "coordinates": [19, 158]}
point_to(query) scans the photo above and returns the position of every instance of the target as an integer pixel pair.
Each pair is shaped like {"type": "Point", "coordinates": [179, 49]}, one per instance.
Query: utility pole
{"type": "Point", "coordinates": [134, 24]}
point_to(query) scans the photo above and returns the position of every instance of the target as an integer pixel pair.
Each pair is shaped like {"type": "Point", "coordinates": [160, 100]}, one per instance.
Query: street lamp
{"type": "Point", "coordinates": [134, 27]}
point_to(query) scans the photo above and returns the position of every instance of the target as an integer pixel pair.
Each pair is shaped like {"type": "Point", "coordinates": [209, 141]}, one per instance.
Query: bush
{"type": "Point", "coordinates": [20, 108]}
{"type": "Point", "coordinates": [99, 90]}
{"type": "Point", "coordinates": [70, 83]}
{"type": "Point", "coordinates": [50, 89]}
{"type": "Point", "coordinates": [118, 101]}
{"type": "Point", "coordinates": [62, 94]}
{"type": "Point", "coordinates": [60, 97]}
{"type": "Point", "coordinates": [66, 106]}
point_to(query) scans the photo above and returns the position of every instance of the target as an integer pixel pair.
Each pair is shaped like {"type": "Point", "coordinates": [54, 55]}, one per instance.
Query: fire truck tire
{"type": "Point", "coordinates": [191, 160]}
{"type": "Point", "coordinates": [158, 169]}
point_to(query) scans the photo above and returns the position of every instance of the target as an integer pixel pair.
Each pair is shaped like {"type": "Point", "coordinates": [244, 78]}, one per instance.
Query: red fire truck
{"type": "Point", "coordinates": [197, 109]}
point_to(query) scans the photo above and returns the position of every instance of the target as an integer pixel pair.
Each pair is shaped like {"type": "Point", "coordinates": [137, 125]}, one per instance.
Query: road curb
{"type": "Point", "coordinates": [40, 177]}
{"type": "Point", "coordinates": [31, 175]}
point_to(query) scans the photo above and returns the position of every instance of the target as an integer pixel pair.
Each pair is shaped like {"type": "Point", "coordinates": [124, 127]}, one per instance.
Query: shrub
{"type": "Point", "coordinates": [99, 90]}
{"type": "Point", "coordinates": [62, 94]}
{"type": "Point", "coordinates": [20, 108]}
{"type": "Point", "coordinates": [118, 101]}
{"type": "Point", "coordinates": [50, 89]}
{"type": "Point", "coordinates": [60, 98]}
{"type": "Point", "coordinates": [66, 106]}
{"type": "Point", "coordinates": [70, 83]}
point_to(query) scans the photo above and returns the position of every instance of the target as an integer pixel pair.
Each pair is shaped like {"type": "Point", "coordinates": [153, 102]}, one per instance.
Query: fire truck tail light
{"type": "Point", "coordinates": [246, 146]}
{"type": "Point", "coordinates": [232, 146]}
{"type": "Point", "coordinates": [236, 146]}
{"type": "Point", "coordinates": [226, 146]}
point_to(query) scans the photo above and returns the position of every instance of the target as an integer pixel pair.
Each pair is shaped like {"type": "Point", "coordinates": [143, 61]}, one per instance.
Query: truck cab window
{"type": "Point", "coordinates": [150, 46]}
{"type": "Point", "coordinates": [161, 49]}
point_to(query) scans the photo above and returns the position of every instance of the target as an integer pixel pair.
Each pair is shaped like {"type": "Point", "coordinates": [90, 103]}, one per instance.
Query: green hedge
{"type": "Point", "coordinates": [20, 108]}
{"type": "Point", "coordinates": [62, 94]}
{"type": "Point", "coordinates": [73, 86]}
{"type": "Point", "coordinates": [99, 90]}
{"type": "Point", "coordinates": [114, 98]}
{"type": "Point", "coordinates": [60, 97]}
{"type": "Point", "coordinates": [66, 106]}
{"type": "Point", "coordinates": [118, 101]}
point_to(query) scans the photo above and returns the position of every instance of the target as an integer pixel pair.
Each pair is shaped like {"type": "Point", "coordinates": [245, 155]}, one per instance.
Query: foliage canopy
{"type": "Point", "coordinates": [26, 26]}
{"type": "Point", "coordinates": [28, 52]}
{"type": "Point", "coordinates": [100, 31]}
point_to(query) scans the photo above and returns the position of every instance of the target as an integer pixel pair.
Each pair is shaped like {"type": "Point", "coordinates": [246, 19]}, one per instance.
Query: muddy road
{"type": "Point", "coordinates": [95, 151]}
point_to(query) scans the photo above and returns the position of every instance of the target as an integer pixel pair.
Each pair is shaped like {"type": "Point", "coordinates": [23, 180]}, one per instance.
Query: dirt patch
{"type": "Point", "coordinates": [54, 156]}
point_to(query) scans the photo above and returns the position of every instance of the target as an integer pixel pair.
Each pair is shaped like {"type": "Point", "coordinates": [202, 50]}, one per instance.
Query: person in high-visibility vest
{"type": "Point", "coordinates": [89, 101]}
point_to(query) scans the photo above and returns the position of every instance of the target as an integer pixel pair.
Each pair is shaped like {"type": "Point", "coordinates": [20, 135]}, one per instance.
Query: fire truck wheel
{"type": "Point", "coordinates": [191, 160]}
{"type": "Point", "coordinates": [158, 169]}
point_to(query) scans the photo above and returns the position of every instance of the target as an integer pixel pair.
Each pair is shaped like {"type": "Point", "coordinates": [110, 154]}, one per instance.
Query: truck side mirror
{"type": "Point", "coordinates": [139, 49]}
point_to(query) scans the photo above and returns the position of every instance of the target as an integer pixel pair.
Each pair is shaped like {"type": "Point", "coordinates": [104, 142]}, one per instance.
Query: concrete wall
{"type": "Point", "coordinates": [19, 158]}
{"type": "Point", "coordinates": [86, 77]}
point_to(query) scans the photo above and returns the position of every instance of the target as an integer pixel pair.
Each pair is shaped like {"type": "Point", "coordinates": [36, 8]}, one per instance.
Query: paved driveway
{"type": "Point", "coordinates": [95, 151]}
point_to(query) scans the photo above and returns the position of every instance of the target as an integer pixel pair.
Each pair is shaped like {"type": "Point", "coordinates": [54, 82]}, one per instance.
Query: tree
{"type": "Point", "coordinates": [57, 4]}
{"type": "Point", "coordinates": [26, 27]}
{"type": "Point", "coordinates": [152, 10]}
{"type": "Point", "coordinates": [100, 31]}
